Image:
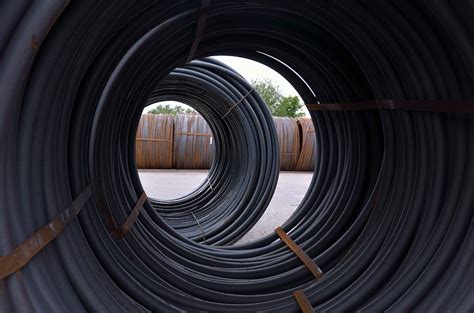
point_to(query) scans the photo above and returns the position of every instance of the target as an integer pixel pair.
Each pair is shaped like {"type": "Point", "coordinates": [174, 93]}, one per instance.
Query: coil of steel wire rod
{"type": "Point", "coordinates": [154, 143]}
{"type": "Point", "coordinates": [243, 176]}
{"type": "Point", "coordinates": [308, 154]}
{"type": "Point", "coordinates": [289, 142]}
{"type": "Point", "coordinates": [193, 142]}
{"type": "Point", "coordinates": [389, 214]}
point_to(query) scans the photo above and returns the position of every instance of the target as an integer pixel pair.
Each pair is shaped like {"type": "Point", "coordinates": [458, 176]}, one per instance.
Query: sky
{"type": "Point", "coordinates": [252, 70]}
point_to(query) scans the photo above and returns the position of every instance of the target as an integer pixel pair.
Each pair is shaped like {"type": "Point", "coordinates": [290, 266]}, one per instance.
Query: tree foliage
{"type": "Point", "coordinates": [170, 109]}
{"type": "Point", "coordinates": [279, 105]}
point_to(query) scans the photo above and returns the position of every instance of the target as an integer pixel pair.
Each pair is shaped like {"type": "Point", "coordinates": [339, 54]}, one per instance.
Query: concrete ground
{"type": "Point", "coordinates": [291, 188]}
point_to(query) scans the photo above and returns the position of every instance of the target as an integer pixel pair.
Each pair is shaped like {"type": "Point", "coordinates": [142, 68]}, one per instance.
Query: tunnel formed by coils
{"type": "Point", "coordinates": [389, 213]}
{"type": "Point", "coordinates": [244, 173]}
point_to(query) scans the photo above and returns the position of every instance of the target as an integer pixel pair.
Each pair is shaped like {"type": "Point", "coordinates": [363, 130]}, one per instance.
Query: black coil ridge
{"type": "Point", "coordinates": [389, 213]}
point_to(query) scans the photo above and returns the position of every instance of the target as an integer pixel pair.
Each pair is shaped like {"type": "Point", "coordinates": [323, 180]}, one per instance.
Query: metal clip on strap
{"type": "Point", "coordinates": [33, 245]}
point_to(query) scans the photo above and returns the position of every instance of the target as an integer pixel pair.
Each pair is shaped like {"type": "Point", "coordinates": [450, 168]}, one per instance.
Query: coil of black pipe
{"type": "Point", "coordinates": [389, 214]}
{"type": "Point", "coordinates": [244, 173]}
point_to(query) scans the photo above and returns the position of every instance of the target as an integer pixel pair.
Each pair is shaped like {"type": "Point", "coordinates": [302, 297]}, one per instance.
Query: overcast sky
{"type": "Point", "coordinates": [252, 70]}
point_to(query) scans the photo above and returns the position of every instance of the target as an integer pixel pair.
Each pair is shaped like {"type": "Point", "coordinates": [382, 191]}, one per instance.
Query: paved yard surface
{"type": "Point", "coordinates": [292, 186]}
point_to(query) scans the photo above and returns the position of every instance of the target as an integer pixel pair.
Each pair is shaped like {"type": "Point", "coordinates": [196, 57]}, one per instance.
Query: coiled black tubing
{"type": "Point", "coordinates": [389, 213]}
{"type": "Point", "coordinates": [243, 176]}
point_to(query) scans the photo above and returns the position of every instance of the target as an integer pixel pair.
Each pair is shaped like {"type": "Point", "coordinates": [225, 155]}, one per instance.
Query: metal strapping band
{"type": "Point", "coordinates": [238, 102]}
{"type": "Point", "coordinates": [209, 182]}
{"type": "Point", "coordinates": [194, 134]}
{"type": "Point", "coordinates": [459, 106]}
{"type": "Point", "coordinates": [155, 140]}
{"type": "Point", "coordinates": [303, 301]}
{"type": "Point", "coordinates": [308, 262]}
{"type": "Point", "coordinates": [200, 228]}
{"type": "Point", "coordinates": [119, 232]}
{"type": "Point", "coordinates": [33, 245]}
{"type": "Point", "coordinates": [201, 25]}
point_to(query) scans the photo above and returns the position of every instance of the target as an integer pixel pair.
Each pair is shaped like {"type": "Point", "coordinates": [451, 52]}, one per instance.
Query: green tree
{"type": "Point", "coordinates": [290, 107]}
{"type": "Point", "coordinates": [169, 109]}
{"type": "Point", "coordinates": [270, 93]}
{"type": "Point", "coordinates": [279, 105]}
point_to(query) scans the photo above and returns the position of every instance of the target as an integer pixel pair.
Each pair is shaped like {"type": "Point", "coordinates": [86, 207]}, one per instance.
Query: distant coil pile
{"type": "Point", "coordinates": [187, 142]}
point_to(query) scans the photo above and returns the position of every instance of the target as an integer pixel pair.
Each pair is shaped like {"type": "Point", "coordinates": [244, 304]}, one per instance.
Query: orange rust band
{"type": "Point", "coordinates": [33, 245]}
{"type": "Point", "coordinates": [303, 301]}
{"type": "Point", "coordinates": [119, 232]}
{"type": "Point", "coordinates": [313, 267]}
{"type": "Point", "coordinates": [154, 139]}
{"type": "Point", "coordinates": [459, 106]}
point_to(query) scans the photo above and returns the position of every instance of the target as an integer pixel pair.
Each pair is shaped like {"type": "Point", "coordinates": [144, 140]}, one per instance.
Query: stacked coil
{"type": "Point", "coordinates": [193, 142]}
{"type": "Point", "coordinates": [154, 146]}
{"type": "Point", "coordinates": [308, 153]}
{"type": "Point", "coordinates": [289, 142]}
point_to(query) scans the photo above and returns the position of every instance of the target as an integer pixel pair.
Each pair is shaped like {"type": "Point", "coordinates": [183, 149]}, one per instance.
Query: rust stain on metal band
{"type": "Point", "coordinates": [308, 262]}
{"type": "Point", "coordinates": [34, 43]}
{"type": "Point", "coordinates": [460, 106]}
{"type": "Point", "coordinates": [33, 245]}
{"type": "Point", "coordinates": [303, 301]}
{"type": "Point", "coordinates": [119, 232]}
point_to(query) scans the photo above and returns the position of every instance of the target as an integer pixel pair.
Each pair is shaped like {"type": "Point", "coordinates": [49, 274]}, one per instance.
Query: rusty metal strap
{"type": "Point", "coordinates": [459, 106]}
{"type": "Point", "coordinates": [117, 232]}
{"type": "Point", "coordinates": [303, 301]}
{"type": "Point", "coordinates": [201, 25]}
{"type": "Point", "coordinates": [155, 139]}
{"type": "Point", "coordinates": [308, 262]}
{"type": "Point", "coordinates": [193, 134]}
{"type": "Point", "coordinates": [33, 245]}
{"type": "Point", "coordinates": [238, 102]}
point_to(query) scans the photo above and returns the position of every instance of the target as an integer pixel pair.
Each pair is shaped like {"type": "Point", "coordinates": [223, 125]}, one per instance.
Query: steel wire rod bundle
{"type": "Point", "coordinates": [389, 214]}
{"type": "Point", "coordinates": [243, 176]}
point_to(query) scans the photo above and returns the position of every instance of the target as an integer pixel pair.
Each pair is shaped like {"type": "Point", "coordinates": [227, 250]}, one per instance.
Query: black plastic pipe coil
{"type": "Point", "coordinates": [244, 173]}
{"type": "Point", "coordinates": [389, 214]}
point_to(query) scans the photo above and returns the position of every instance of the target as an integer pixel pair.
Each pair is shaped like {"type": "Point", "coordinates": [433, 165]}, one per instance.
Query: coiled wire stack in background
{"type": "Point", "coordinates": [388, 216]}
{"type": "Point", "coordinates": [244, 173]}
{"type": "Point", "coordinates": [193, 142]}
{"type": "Point", "coordinates": [289, 142]}
{"type": "Point", "coordinates": [154, 143]}
{"type": "Point", "coordinates": [308, 153]}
